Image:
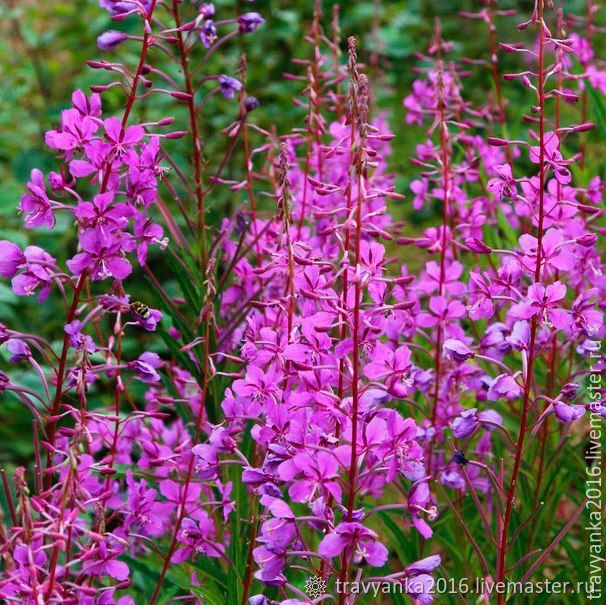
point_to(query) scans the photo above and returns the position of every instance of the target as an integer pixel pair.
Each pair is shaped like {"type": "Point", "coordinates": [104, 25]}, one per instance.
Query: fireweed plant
{"type": "Point", "coordinates": [310, 407]}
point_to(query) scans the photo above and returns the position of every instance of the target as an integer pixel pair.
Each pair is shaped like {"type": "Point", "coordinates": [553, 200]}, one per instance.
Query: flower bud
{"type": "Point", "coordinates": [587, 239]}
{"type": "Point", "coordinates": [249, 22]}
{"type": "Point", "coordinates": [182, 96]}
{"type": "Point", "coordinates": [110, 39]}
{"type": "Point", "coordinates": [586, 126]}
{"type": "Point", "coordinates": [11, 258]}
{"type": "Point", "coordinates": [588, 209]}
{"type": "Point", "coordinates": [477, 245]}
{"type": "Point", "coordinates": [497, 142]}
{"type": "Point", "coordinates": [570, 390]}
{"type": "Point", "coordinates": [251, 104]}
{"type": "Point", "coordinates": [178, 134]}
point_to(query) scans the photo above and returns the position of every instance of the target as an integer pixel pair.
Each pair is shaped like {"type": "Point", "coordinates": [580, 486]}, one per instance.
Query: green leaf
{"type": "Point", "coordinates": [598, 110]}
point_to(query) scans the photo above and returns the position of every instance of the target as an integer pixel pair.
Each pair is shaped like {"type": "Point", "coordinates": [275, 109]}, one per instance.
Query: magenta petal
{"type": "Point", "coordinates": [119, 267]}
{"type": "Point", "coordinates": [422, 527]}
{"type": "Point", "coordinates": [332, 545]}
{"type": "Point", "coordinates": [301, 491]}
{"type": "Point", "coordinates": [79, 263]}
{"type": "Point", "coordinates": [376, 554]}
{"type": "Point", "coordinates": [117, 569]}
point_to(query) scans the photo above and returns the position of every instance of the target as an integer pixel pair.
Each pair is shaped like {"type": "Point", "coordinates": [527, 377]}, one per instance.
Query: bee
{"type": "Point", "coordinates": [138, 308]}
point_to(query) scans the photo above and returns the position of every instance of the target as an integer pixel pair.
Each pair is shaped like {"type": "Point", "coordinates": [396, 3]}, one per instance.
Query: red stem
{"type": "Point", "coordinates": [503, 542]}
{"type": "Point", "coordinates": [445, 203]}
{"type": "Point", "coordinates": [193, 122]}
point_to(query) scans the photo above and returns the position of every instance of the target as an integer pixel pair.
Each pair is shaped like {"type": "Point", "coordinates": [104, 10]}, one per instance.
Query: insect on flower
{"type": "Point", "coordinates": [140, 309]}
{"type": "Point", "coordinates": [460, 458]}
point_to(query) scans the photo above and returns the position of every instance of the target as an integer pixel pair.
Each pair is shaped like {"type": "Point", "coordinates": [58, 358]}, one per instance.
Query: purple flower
{"type": "Point", "coordinates": [102, 258]}
{"type": "Point", "coordinates": [147, 233]}
{"type": "Point", "coordinates": [18, 349]}
{"type": "Point", "coordinates": [456, 350]}
{"type": "Point", "coordinates": [566, 413]}
{"type": "Point", "coordinates": [465, 424]}
{"type": "Point", "coordinates": [251, 104]}
{"type": "Point", "coordinates": [110, 39]}
{"type": "Point", "coordinates": [503, 185]}
{"type": "Point", "coordinates": [145, 367]}
{"type": "Point", "coordinates": [357, 538]}
{"type": "Point", "coordinates": [208, 33]}
{"type": "Point", "coordinates": [520, 335]}
{"type": "Point", "coordinates": [554, 252]}
{"type": "Point", "coordinates": [120, 7]}
{"type": "Point", "coordinates": [419, 502]}
{"type": "Point", "coordinates": [35, 205]}
{"type": "Point", "coordinates": [585, 316]}
{"type": "Point", "coordinates": [421, 588]}
{"type": "Point", "coordinates": [419, 188]}
{"type": "Point", "coordinates": [544, 301]}
{"type": "Point", "coordinates": [504, 386]}
{"type": "Point", "coordinates": [320, 472]}
{"type": "Point", "coordinates": [482, 292]}
{"type": "Point", "coordinates": [392, 367]}
{"type": "Point", "coordinates": [149, 323]}
{"type": "Point", "coordinates": [207, 9]}
{"type": "Point", "coordinates": [11, 258]}
{"type": "Point", "coordinates": [87, 106]}
{"type": "Point", "coordinates": [37, 273]}
{"type": "Point", "coordinates": [145, 513]}
{"type": "Point", "coordinates": [468, 421]}
{"type": "Point", "coordinates": [570, 390]}
{"type": "Point", "coordinates": [276, 536]}
{"type": "Point", "coordinates": [77, 339]}
{"type": "Point", "coordinates": [199, 539]}
{"type": "Point", "coordinates": [229, 86]}
{"type": "Point", "coordinates": [419, 583]}
{"type": "Point", "coordinates": [102, 560]}
{"type": "Point", "coordinates": [121, 138]}
{"type": "Point", "coordinates": [77, 131]}
{"type": "Point", "coordinates": [103, 214]}
{"type": "Point", "coordinates": [249, 22]}
{"type": "Point", "coordinates": [271, 564]}
{"type": "Point", "coordinates": [552, 157]}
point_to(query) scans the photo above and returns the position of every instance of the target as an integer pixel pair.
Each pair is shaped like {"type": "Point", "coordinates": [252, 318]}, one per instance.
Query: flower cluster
{"type": "Point", "coordinates": [303, 403]}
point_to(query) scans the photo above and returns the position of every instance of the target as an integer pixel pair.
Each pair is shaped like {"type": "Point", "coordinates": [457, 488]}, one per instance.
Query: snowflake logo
{"type": "Point", "coordinates": [315, 587]}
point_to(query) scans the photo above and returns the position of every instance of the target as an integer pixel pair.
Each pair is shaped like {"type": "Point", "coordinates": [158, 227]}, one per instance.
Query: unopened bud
{"type": "Point", "coordinates": [477, 245]}
{"type": "Point", "coordinates": [497, 142]}
{"type": "Point", "coordinates": [585, 127]}
{"type": "Point", "coordinates": [588, 209]}
{"type": "Point", "coordinates": [587, 240]}
{"type": "Point", "coordinates": [178, 134]}
{"type": "Point", "coordinates": [182, 96]}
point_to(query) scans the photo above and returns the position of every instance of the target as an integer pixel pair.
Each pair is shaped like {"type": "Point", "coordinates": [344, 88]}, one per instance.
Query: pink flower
{"type": "Point", "coordinates": [554, 252]}
{"type": "Point", "coordinates": [503, 185]}
{"type": "Point", "coordinates": [11, 258]}
{"type": "Point", "coordinates": [552, 157]}
{"type": "Point", "coordinates": [357, 539]}
{"type": "Point", "coordinates": [544, 302]}
{"type": "Point", "coordinates": [35, 205]}
{"type": "Point", "coordinates": [504, 386]}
